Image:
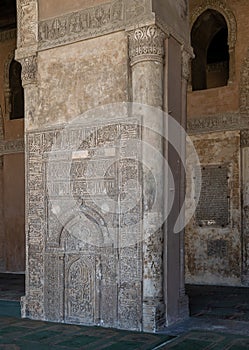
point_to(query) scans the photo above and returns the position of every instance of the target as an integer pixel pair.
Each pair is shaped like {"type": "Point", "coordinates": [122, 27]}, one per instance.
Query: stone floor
{"type": "Point", "coordinates": [219, 320]}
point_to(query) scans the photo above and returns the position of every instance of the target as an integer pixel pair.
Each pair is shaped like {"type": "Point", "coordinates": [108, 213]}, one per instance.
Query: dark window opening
{"type": "Point", "coordinates": [16, 91]}
{"type": "Point", "coordinates": [7, 14]}
{"type": "Point", "coordinates": [209, 37]}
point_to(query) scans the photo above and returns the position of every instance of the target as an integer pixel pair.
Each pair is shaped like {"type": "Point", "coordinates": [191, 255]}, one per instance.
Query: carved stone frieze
{"type": "Point", "coordinates": [186, 59]}
{"type": "Point", "coordinates": [244, 138]}
{"type": "Point", "coordinates": [217, 123]}
{"type": "Point", "coordinates": [11, 146]}
{"type": "Point", "coordinates": [146, 44]}
{"type": "Point", "coordinates": [7, 35]}
{"type": "Point", "coordinates": [220, 6]}
{"type": "Point", "coordinates": [91, 22]}
{"type": "Point", "coordinates": [29, 70]}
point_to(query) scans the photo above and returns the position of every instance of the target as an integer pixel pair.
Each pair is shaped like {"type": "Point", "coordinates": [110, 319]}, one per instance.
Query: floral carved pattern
{"type": "Point", "coordinates": [146, 43]}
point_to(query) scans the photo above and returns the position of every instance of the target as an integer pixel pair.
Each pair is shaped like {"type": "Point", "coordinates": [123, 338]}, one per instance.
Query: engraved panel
{"type": "Point", "coordinates": [91, 22]}
{"type": "Point", "coordinates": [53, 280]}
{"type": "Point", "coordinates": [78, 180]}
{"type": "Point", "coordinates": [79, 290]}
{"type": "Point", "coordinates": [213, 206]}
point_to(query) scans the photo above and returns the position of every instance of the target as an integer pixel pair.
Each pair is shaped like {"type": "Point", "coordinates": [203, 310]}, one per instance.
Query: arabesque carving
{"type": "Point", "coordinates": [146, 44]}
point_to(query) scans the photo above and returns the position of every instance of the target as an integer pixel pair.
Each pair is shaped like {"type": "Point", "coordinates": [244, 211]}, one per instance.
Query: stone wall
{"type": "Point", "coordinates": [218, 123]}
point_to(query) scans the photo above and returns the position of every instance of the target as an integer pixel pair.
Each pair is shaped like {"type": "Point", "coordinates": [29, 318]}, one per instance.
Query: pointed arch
{"type": "Point", "coordinates": [227, 13]}
{"type": "Point", "coordinates": [221, 7]}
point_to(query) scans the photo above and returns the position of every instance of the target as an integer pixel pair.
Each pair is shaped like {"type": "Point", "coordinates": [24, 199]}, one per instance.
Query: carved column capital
{"type": "Point", "coordinates": [29, 70]}
{"type": "Point", "coordinates": [186, 59]}
{"type": "Point", "coordinates": [244, 138]}
{"type": "Point", "coordinates": [146, 44]}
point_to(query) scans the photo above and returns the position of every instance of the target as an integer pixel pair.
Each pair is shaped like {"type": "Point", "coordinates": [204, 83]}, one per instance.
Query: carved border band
{"type": "Point", "coordinates": [12, 146]}
{"type": "Point", "coordinates": [244, 86]}
{"type": "Point", "coordinates": [91, 22]}
{"type": "Point", "coordinates": [244, 138]}
{"type": "Point", "coordinates": [8, 35]}
{"type": "Point", "coordinates": [217, 123]}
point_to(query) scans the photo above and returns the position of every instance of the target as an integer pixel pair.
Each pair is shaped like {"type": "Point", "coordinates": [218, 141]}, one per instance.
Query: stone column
{"type": "Point", "coordinates": [32, 303]}
{"type": "Point", "coordinates": [26, 54]}
{"type": "Point", "coordinates": [186, 59]}
{"type": "Point", "coordinates": [2, 230]}
{"type": "Point", "coordinates": [245, 206]}
{"type": "Point", "coordinates": [146, 50]}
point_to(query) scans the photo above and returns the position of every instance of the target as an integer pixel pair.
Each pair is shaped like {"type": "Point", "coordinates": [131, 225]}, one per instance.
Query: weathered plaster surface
{"type": "Point", "coordinates": [79, 77]}
{"type": "Point", "coordinates": [12, 235]}
{"type": "Point", "coordinates": [208, 265]}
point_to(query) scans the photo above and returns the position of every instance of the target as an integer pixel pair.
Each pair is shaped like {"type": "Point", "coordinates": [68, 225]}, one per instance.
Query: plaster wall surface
{"type": "Point", "coordinates": [12, 173]}
{"type": "Point", "coordinates": [213, 252]}
{"type": "Point", "coordinates": [79, 77]}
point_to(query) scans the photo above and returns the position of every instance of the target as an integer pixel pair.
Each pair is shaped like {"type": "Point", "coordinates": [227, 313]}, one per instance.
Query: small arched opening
{"type": "Point", "coordinates": [209, 38]}
{"type": "Point", "coordinates": [16, 91]}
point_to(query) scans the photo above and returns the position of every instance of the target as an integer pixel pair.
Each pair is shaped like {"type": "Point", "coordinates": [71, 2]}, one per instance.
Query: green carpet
{"type": "Point", "coordinates": [26, 334]}
{"type": "Point", "coordinates": [227, 303]}
{"type": "Point", "coordinates": [197, 340]}
{"type": "Point", "coordinates": [10, 308]}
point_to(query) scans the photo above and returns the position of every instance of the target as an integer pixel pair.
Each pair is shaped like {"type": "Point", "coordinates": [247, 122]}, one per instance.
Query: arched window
{"type": "Point", "coordinates": [16, 91]}
{"type": "Point", "coordinates": [209, 38]}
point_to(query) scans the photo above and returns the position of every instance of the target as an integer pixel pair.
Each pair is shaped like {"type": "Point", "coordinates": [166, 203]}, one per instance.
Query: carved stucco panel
{"type": "Point", "coordinates": [27, 16]}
